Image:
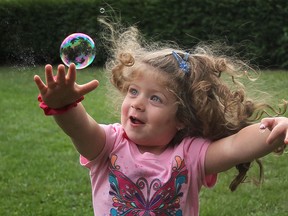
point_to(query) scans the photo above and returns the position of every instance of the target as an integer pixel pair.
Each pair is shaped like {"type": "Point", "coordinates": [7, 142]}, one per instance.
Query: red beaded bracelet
{"type": "Point", "coordinates": [50, 111]}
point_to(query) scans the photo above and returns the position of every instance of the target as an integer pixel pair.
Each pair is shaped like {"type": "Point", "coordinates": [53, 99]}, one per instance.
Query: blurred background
{"type": "Point", "coordinates": [32, 30]}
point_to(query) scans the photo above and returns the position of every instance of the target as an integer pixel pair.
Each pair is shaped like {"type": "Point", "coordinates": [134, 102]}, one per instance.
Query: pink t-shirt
{"type": "Point", "coordinates": [127, 182]}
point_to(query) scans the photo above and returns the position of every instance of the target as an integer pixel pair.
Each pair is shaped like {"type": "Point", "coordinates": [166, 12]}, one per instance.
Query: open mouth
{"type": "Point", "coordinates": [135, 120]}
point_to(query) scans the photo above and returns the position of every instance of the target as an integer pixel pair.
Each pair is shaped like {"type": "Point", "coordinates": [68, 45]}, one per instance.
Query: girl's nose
{"type": "Point", "coordinates": [138, 104]}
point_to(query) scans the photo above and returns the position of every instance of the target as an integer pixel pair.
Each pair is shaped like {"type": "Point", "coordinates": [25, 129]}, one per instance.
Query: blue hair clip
{"type": "Point", "coordinates": [183, 63]}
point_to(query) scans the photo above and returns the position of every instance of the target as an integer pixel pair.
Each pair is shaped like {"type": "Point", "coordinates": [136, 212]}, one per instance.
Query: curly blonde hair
{"type": "Point", "coordinates": [212, 103]}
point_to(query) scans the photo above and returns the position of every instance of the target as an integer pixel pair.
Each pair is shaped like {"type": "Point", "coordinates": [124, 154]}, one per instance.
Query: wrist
{"type": "Point", "coordinates": [52, 111]}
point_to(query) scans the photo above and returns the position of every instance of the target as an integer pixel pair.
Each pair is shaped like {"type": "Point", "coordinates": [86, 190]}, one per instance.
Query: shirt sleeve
{"type": "Point", "coordinates": [207, 180]}
{"type": "Point", "coordinates": [197, 148]}
{"type": "Point", "coordinates": [112, 132]}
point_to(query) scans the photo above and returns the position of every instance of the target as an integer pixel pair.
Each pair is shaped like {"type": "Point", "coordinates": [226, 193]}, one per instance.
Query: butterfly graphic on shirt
{"type": "Point", "coordinates": [129, 199]}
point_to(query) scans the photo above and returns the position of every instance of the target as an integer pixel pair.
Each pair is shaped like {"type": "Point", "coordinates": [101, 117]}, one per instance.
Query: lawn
{"type": "Point", "coordinates": [40, 173]}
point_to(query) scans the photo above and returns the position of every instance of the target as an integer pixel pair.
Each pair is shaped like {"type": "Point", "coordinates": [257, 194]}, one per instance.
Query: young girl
{"type": "Point", "coordinates": [181, 124]}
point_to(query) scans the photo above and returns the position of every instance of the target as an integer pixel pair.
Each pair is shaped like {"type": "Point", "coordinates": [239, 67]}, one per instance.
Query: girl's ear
{"type": "Point", "coordinates": [180, 126]}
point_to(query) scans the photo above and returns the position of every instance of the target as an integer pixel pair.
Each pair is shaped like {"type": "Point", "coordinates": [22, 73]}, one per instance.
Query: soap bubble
{"type": "Point", "coordinates": [78, 48]}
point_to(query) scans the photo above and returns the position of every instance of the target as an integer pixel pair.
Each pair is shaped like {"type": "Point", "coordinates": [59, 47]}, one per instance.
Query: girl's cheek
{"type": "Point", "coordinates": [124, 113]}
{"type": "Point", "coordinates": [124, 108]}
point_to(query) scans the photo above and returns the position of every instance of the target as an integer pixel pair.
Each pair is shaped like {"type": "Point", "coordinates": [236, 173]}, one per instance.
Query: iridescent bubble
{"type": "Point", "coordinates": [78, 48]}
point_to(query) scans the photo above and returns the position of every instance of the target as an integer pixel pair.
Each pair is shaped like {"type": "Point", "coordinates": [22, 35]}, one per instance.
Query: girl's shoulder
{"type": "Point", "coordinates": [193, 143]}
{"type": "Point", "coordinates": [194, 148]}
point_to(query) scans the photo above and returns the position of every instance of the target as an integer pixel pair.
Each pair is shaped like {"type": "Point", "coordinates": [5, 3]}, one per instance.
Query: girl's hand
{"type": "Point", "coordinates": [62, 90]}
{"type": "Point", "coordinates": [278, 127]}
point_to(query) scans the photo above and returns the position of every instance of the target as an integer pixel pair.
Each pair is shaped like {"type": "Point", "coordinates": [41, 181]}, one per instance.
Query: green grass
{"type": "Point", "coordinates": [40, 173]}
{"type": "Point", "coordinates": [39, 169]}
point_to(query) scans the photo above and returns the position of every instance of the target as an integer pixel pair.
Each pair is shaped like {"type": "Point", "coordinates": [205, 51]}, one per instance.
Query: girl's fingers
{"type": "Point", "coordinates": [286, 138]}
{"type": "Point", "coordinates": [88, 87]}
{"type": "Point", "coordinates": [61, 75]}
{"type": "Point", "coordinates": [278, 132]}
{"type": "Point", "coordinates": [267, 123]}
{"type": "Point", "coordinates": [40, 84]}
{"type": "Point", "coordinates": [71, 74]}
{"type": "Point", "coordinates": [63, 82]}
{"type": "Point", "coordinates": [277, 126]}
{"type": "Point", "coordinates": [49, 76]}
{"type": "Point", "coordinates": [275, 133]}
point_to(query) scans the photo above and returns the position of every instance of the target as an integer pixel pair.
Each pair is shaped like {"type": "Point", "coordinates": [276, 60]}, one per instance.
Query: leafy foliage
{"type": "Point", "coordinates": [34, 29]}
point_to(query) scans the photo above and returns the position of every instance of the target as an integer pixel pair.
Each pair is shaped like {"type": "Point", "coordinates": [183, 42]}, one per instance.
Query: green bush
{"type": "Point", "coordinates": [35, 29]}
{"type": "Point", "coordinates": [257, 29]}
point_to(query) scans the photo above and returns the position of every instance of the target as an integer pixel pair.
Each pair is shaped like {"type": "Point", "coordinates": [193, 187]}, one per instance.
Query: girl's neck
{"type": "Point", "coordinates": [157, 150]}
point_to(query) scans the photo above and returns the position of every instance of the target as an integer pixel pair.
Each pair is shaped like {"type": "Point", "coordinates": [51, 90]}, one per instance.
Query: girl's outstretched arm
{"type": "Point", "coordinates": [251, 142]}
{"type": "Point", "coordinates": [62, 90]}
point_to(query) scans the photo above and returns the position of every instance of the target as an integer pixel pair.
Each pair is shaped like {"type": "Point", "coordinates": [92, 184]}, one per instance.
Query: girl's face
{"type": "Point", "coordinates": [148, 113]}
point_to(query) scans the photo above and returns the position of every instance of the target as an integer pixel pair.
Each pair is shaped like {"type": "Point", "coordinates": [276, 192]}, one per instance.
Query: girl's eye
{"type": "Point", "coordinates": [155, 98]}
{"type": "Point", "coordinates": [133, 91]}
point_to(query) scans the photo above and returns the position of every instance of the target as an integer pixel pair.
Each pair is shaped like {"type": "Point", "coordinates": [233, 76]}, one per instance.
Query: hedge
{"type": "Point", "coordinates": [32, 31]}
